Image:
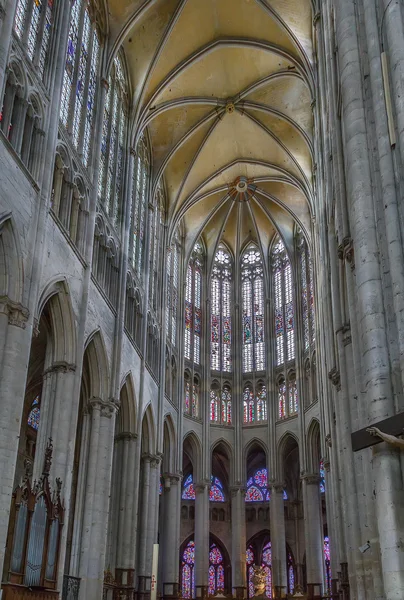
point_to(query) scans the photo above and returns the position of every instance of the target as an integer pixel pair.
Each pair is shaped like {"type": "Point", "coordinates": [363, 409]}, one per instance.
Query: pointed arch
{"type": "Point", "coordinates": [148, 431]}
{"type": "Point", "coordinates": [288, 456]}
{"type": "Point", "coordinates": [56, 296]}
{"type": "Point", "coordinates": [255, 442]}
{"type": "Point", "coordinates": [169, 445]}
{"type": "Point", "coordinates": [313, 446]}
{"type": "Point", "coordinates": [126, 420]}
{"type": "Point", "coordinates": [192, 447]}
{"type": "Point", "coordinates": [11, 264]}
{"type": "Point", "coordinates": [96, 358]}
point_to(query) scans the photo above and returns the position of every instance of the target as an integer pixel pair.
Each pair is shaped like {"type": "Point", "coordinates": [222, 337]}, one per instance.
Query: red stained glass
{"type": "Point", "coordinates": [216, 494]}
{"type": "Point", "coordinates": [254, 494]}
{"type": "Point", "coordinates": [34, 415]}
{"type": "Point", "coordinates": [216, 571]}
{"type": "Point", "coordinates": [187, 571]}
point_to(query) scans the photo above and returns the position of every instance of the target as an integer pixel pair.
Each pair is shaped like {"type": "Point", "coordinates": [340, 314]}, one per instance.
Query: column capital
{"type": "Point", "coordinates": [310, 478]}
{"type": "Point", "coordinates": [277, 486]}
{"type": "Point", "coordinates": [126, 436]}
{"type": "Point", "coordinates": [106, 407]}
{"type": "Point", "coordinates": [201, 486]}
{"type": "Point", "coordinates": [60, 366]}
{"type": "Point", "coordinates": [235, 489]}
{"type": "Point", "coordinates": [16, 312]}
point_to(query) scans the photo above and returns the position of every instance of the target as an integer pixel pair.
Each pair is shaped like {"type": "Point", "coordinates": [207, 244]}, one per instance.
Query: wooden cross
{"type": "Point", "coordinates": [362, 439]}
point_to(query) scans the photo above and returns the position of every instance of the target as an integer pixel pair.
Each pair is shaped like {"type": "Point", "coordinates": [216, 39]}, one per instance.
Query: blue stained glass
{"type": "Point", "coordinates": [188, 480]}
{"type": "Point", "coordinates": [34, 415]}
{"type": "Point", "coordinates": [322, 477]}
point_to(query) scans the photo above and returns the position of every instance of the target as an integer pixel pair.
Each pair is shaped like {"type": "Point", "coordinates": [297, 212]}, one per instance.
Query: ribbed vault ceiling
{"type": "Point", "coordinates": [225, 90]}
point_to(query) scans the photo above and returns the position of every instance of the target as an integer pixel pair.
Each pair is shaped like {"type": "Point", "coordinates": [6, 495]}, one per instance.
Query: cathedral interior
{"type": "Point", "coordinates": [201, 299]}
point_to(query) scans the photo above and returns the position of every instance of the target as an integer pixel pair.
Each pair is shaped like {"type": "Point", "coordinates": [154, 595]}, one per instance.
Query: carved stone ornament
{"type": "Point", "coordinates": [16, 312]}
{"type": "Point", "coordinates": [334, 376]}
{"type": "Point", "coordinates": [259, 582]}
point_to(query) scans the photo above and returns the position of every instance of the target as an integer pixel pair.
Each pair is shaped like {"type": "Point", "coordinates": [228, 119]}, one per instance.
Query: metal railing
{"type": "Point", "coordinates": [71, 587]}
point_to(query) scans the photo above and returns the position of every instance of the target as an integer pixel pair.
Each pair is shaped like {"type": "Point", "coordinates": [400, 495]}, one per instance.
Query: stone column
{"type": "Point", "coordinates": [169, 554]}
{"type": "Point", "coordinates": [202, 538]}
{"type": "Point", "coordinates": [278, 541]}
{"type": "Point", "coordinates": [144, 515]}
{"type": "Point", "coordinates": [238, 542]}
{"type": "Point", "coordinates": [377, 399]}
{"type": "Point", "coordinates": [96, 502]}
{"type": "Point", "coordinates": [125, 562]}
{"type": "Point", "coordinates": [14, 349]}
{"type": "Point", "coordinates": [149, 521]}
{"type": "Point", "coordinates": [313, 530]}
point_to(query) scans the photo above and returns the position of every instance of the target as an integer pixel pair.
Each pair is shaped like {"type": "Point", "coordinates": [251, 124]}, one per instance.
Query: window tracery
{"type": "Point", "coordinates": [255, 408]}
{"type": "Point", "coordinates": [307, 291]}
{"type": "Point", "coordinates": [133, 310]}
{"type": "Point", "coordinates": [35, 414]}
{"type": "Point", "coordinates": [284, 304]}
{"type": "Point", "coordinates": [110, 181]}
{"type": "Point", "coordinates": [80, 79]}
{"type": "Point", "coordinates": [193, 306]}
{"type": "Point", "coordinates": [288, 397]}
{"type": "Point", "coordinates": [258, 489]}
{"type": "Point", "coordinates": [140, 193]}
{"type": "Point", "coordinates": [105, 260]}
{"type": "Point", "coordinates": [252, 277]}
{"type": "Point", "coordinates": [221, 333]}
{"type": "Point", "coordinates": [172, 271]}
{"type": "Point", "coordinates": [33, 25]}
{"type": "Point", "coordinates": [156, 224]}
{"type": "Point", "coordinates": [220, 404]}
{"type": "Point", "coordinates": [191, 392]}
{"type": "Point", "coordinates": [216, 571]}
{"type": "Point", "coordinates": [215, 574]}
{"type": "Point", "coordinates": [216, 492]}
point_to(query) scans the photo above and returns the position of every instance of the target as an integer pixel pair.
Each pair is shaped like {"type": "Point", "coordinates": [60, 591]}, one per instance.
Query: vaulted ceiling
{"type": "Point", "coordinates": [225, 90]}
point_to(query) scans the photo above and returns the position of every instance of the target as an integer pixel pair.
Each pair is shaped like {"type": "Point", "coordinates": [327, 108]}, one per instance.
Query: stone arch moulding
{"type": "Point", "coordinates": [127, 415]}
{"type": "Point", "coordinates": [11, 263]}
{"type": "Point", "coordinates": [150, 437]}
{"type": "Point", "coordinates": [98, 365]}
{"type": "Point", "coordinates": [57, 294]}
{"type": "Point", "coordinates": [313, 446]}
{"type": "Point", "coordinates": [280, 452]}
{"type": "Point", "coordinates": [193, 448]}
{"type": "Point", "coordinates": [169, 444]}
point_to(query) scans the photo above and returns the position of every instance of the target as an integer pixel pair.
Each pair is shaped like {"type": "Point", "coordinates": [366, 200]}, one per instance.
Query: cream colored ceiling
{"type": "Point", "coordinates": [224, 89]}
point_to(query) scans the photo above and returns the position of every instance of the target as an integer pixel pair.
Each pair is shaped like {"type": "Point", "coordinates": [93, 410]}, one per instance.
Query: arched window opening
{"type": "Point", "coordinates": [133, 310]}
{"type": "Point", "coordinates": [291, 573]}
{"type": "Point", "coordinates": [140, 192]}
{"type": "Point", "coordinates": [188, 492]}
{"type": "Point", "coordinates": [257, 487]}
{"type": "Point", "coordinates": [250, 562]}
{"type": "Point", "coordinates": [307, 289]}
{"type": "Point", "coordinates": [13, 105]}
{"type": "Point", "coordinates": [191, 401]}
{"type": "Point", "coordinates": [327, 560]}
{"type": "Point", "coordinates": [220, 404]}
{"type": "Point", "coordinates": [322, 477]}
{"type": "Point", "coordinates": [252, 276]}
{"type": "Point", "coordinates": [155, 247]}
{"type": "Point", "coordinates": [267, 566]}
{"type": "Point", "coordinates": [255, 408]}
{"type": "Point", "coordinates": [110, 182]}
{"type": "Point", "coordinates": [172, 270]}
{"type": "Point", "coordinates": [193, 306]}
{"type": "Point", "coordinates": [80, 80]}
{"type": "Point", "coordinates": [33, 25]}
{"type": "Point", "coordinates": [188, 571]}
{"type": "Point", "coordinates": [288, 397]}
{"type": "Point", "coordinates": [216, 571]}
{"type": "Point", "coordinates": [221, 334]}
{"type": "Point", "coordinates": [35, 414]}
{"type": "Point", "coordinates": [284, 305]}
{"type": "Point", "coordinates": [216, 492]}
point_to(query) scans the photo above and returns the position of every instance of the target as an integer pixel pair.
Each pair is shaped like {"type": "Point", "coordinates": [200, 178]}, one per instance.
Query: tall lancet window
{"type": "Point", "coordinates": [80, 79]}
{"type": "Point", "coordinates": [33, 25]}
{"type": "Point", "coordinates": [156, 222]}
{"type": "Point", "coordinates": [110, 181]}
{"type": "Point", "coordinates": [193, 306]}
{"type": "Point", "coordinates": [221, 333]}
{"type": "Point", "coordinates": [307, 288]}
{"type": "Point", "coordinates": [284, 306]}
{"type": "Point", "coordinates": [172, 271]}
{"type": "Point", "coordinates": [140, 190]}
{"type": "Point", "coordinates": [252, 276]}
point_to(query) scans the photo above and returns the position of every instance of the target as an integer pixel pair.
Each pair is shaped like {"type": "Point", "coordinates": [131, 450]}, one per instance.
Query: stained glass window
{"type": "Point", "coordinates": [172, 267]}
{"type": "Point", "coordinates": [188, 571]}
{"type": "Point", "coordinates": [262, 404]}
{"type": "Point", "coordinates": [155, 246]}
{"type": "Point", "coordinates": [214, 406]}
{"type": "Point", "coordinates": [220, 404]}
{"type": "Point", "coordinates": [248, 405]}
{"type": "Point", "coordinates": [35, 414]}
{"type": "Point", "coordinates": [226, 405]}
{"type": "Point", "coordinates": [221, 332]}
{"type": "Point", "coordinates": [293, 398]}
{"type": "Point", "coordinates": [216, 493]}
{"type": "Point", "coordinates": [193, 306]}
{"type": "Point", "coordinates": [255, 405]}
{"type": "Point", "coordinates": [282, 399]}
{"type": "Point", "coordinates": [33, 24]}
{"type": "Point", "coordinates": [80, 79]}
{"type": "Point", "coordinates": [283, 303]}
{"type": "Point", "coordinates": [252, 276]}
{"type": "Point", "coordinates": [291, 574]}
{"type": "Point", "coordinates": [140, 189]}
{"type": "Point", "coordinates": [191, 403]}
{"type": "Point", "coordinates": [250, 561]}
{"type": "Point", "coordinates": [327, 559]}
{"type": "Point", "coordinates": [322, 477]}
{"type": "Point", "coordinates": [216, 571]}
{"type": "Point", "coordinates": [188, 491]}
{"type": "Point", "coordinates": [110, 183]}
{"type": "Point", "coordinates": [257, 487]}
{"type": "Point", "coordinates": [307, 287]}
{"type": "Point", "coordinates": [267, 566]}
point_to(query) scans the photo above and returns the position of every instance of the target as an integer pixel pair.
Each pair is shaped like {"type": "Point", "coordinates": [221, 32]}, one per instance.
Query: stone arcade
{"type": "Point", "coordinates": [201, 299]}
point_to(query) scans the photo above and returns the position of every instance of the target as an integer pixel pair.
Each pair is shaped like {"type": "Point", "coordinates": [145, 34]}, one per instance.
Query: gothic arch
{"type": "Point", "coordinates": [11, 265]}
{"type": "Point", "coordinates": [193, 449]}
{"type": "Point", "coordinates": [222, 453]}
{"type": "Point", "coordinates": [98, 367]}
{"type": "Point", "coordinates": [169, 445]}
{"type": "Point", "coordinates": [288, 454]}
{"type": "Point", "coordinates": [126, 420]}
{"type": "Point", "coordinates": [313, 446]}
{"type": "Point", "coordinates": [63, 323]}
{"type": "Point", "coordinates": [148, 431]}
{"type": "Point", "coordinates": [255, 442]}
